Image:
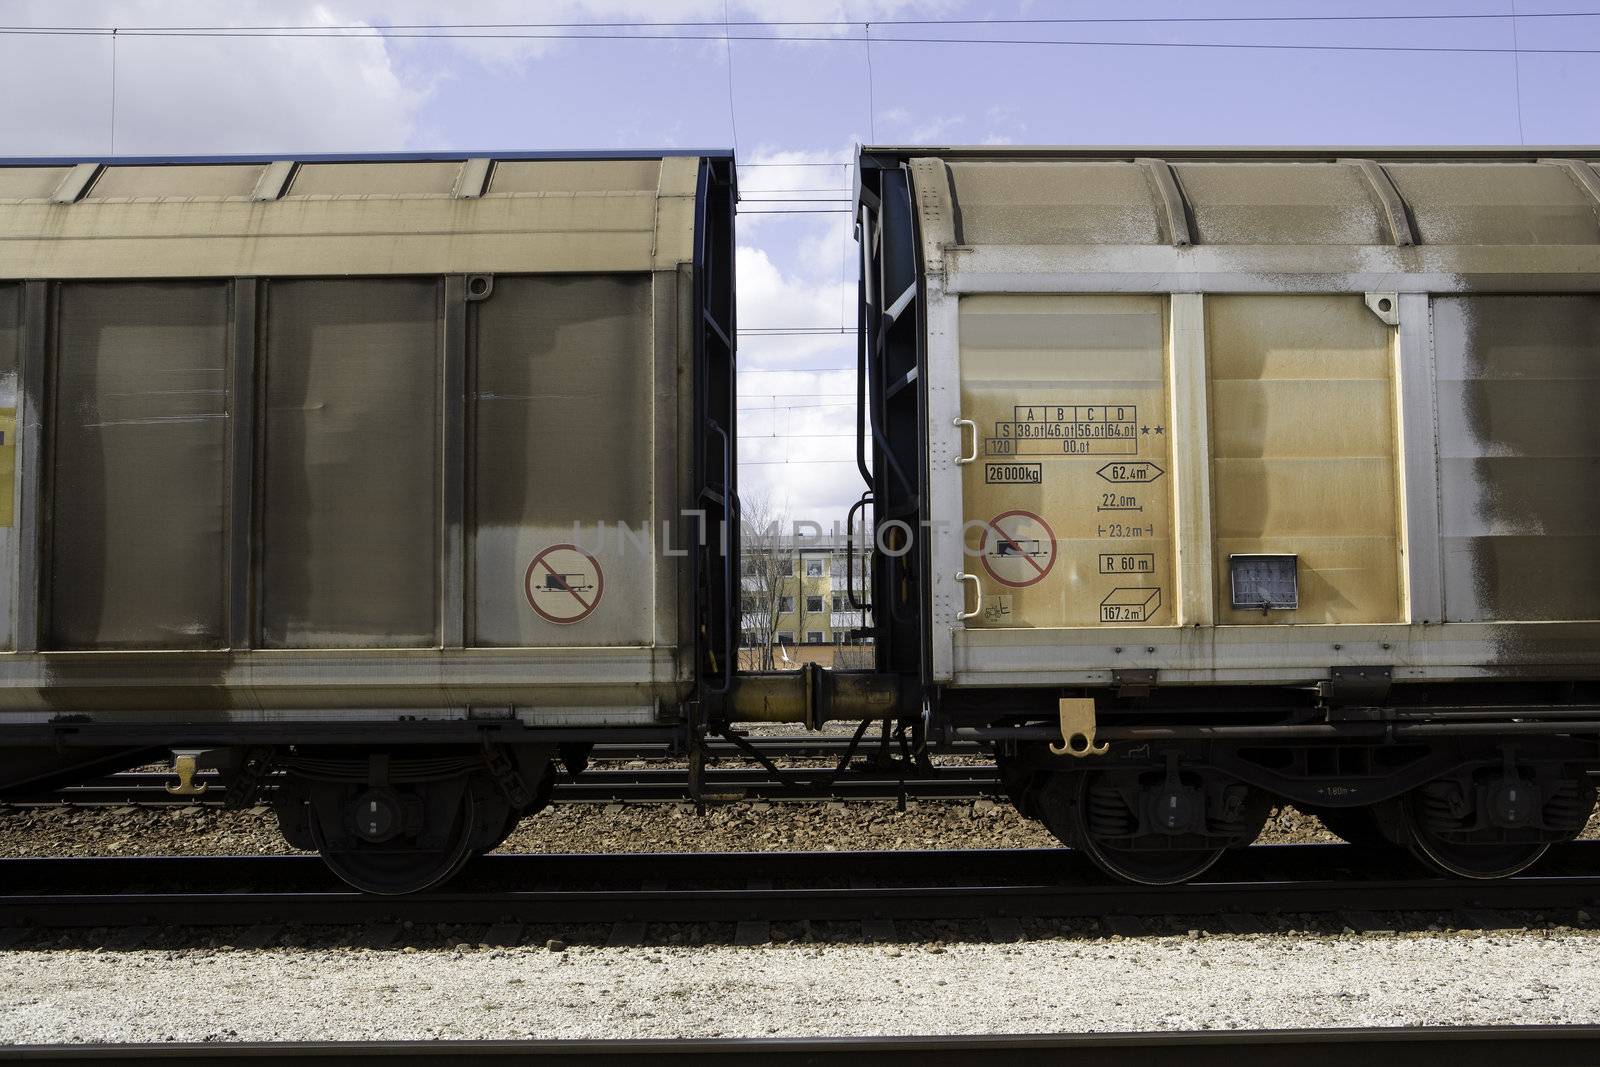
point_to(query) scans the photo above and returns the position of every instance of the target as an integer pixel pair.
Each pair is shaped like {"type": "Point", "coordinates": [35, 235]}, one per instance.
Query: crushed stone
{"type": "Point", "coordinates": [467, 992]}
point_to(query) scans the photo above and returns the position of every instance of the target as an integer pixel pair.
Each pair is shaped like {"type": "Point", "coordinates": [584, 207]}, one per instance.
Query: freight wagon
{"type": "Point", "coordinates": [1227, 476]}
{"type": "Point", "coordinates": [294, 450]}
{"type": "Point", "coordinates": [1198, 481]}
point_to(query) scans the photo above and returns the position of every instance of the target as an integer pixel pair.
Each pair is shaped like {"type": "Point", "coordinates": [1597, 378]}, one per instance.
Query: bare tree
{"type": "Point", "coordinates": [765, 563]}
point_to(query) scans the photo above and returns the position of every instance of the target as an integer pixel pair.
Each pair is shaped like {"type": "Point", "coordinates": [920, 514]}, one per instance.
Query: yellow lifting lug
{"type": "Point", "coordinates": [184, 766]}
{"type": "Point", "coordinates": [1077, 729]}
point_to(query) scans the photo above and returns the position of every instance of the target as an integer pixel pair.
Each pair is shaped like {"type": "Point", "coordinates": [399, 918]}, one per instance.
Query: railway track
{"type": "Point", "coordinates": [751, 889]}
{"type": "Point", "coordinates": [1457, 1046]}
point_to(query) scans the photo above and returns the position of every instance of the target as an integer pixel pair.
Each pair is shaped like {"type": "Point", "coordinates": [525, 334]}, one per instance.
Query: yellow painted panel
{"type": "Point", "coordinates": [1268, 417]}
{"type": "Point", "coordinates": [1068, 508]}
{"type": "Point", "coordinates": [1289, 496]}
{"type": "Point", "coordinates": [1303, 452]}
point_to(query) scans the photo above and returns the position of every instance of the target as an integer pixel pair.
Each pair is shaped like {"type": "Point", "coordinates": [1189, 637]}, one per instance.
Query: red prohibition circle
{"type": "Point", "coordinates": [992, 527]}
{"type": "Point", "coordinates": [588, 606]}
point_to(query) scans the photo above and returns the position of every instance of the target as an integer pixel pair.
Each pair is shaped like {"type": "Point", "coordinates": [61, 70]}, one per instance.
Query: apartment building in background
{"type": "Point", "coordinates": [797, 607]}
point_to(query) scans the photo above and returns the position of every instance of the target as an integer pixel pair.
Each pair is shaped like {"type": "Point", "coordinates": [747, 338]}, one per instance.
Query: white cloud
{"type": "Point", "coordinates": [197, 94]}
{"type": "Point", "coordinates": [797, 422]}
{"type": "Point", "coordinates": [221, 95]}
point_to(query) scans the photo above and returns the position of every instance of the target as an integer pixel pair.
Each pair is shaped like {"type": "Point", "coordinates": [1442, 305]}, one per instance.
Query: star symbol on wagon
{"type": "Point", "coordinates": [1145, 430]}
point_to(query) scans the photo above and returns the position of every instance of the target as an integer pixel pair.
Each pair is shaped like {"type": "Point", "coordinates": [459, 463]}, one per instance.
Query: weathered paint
{"type": "Point", "coordinates": [326, 497]}
{"type": "Point", "coordinates": [359, 218]}
{"type": "Point", "coordinates": [1068, 508]}
{"type": "Point", "coordinates": [1303, 452]}
{"type": "Point", "coordinates": [1519, 455]}
{"type": "Point", "coordinates": [1308, 396]}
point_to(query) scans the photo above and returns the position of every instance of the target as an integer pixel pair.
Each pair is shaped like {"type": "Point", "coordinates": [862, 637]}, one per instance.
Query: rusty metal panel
{"type": "Point", "coordinates": [374, 179]}
{"type": "Point", "coordinates": [1006, 203]}
{"type": "Point", "coordinates": [1068, 512]}
{"type": "Point", "coordinates": [29, 183]}
{"type": "Point", "coordinates": [1495, 204]}
{"type": "Point", "coordinates": [563, 434]}
{"type": "Point", "coordinates": [1303, 452]}
{"type": "Point", "coordinates": [137, 467]}
{"type": "Point", "coordinates": [1280, 204]}
{"type": "Point", "coordinates": [350, 480]}
{"type": "Point", "coordinates": [115, 183]}
{"type": "Point", "coordinates": [1519, 456]}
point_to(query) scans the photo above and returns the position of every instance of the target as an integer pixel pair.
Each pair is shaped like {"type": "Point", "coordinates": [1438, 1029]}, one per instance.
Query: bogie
{"type": "Point", "coordinates": [1168, 817]}
{"type": "Point", "coordinates": [1152, 824]}
{"type": "Point", "coordinates": [397, 821]}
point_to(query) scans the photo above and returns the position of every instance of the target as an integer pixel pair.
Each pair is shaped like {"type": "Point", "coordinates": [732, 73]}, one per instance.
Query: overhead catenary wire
{"type": "Point", "coordinates": [1516, 73]}
{"type": "Point", "coordinates": [733, 122]}
{"type": "Point", "coordinates": [113, 91]}
{"type": "Point", "coordinates": [795, 329]}
{"type": "Point", "coordinates": [795, 370]}
{"type": "Point", "coordinates": [367, 33]}
{"type": "Point", "coordinates": [1083, 20]}
{"type": "Point", "coordinates": [795, 407]}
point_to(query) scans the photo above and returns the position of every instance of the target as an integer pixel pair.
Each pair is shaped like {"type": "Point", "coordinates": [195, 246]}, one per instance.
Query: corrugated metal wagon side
{"type": "Point", "coordinates": [368, 452]}
{"type": "Point", "coordinates": [1274, 468]}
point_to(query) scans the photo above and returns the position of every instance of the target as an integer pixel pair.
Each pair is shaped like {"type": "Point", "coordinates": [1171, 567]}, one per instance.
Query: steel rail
{"type": "Point", "coordinates": [1456, 1046]}
{"type": "Point", "coordinates": [762, 887]}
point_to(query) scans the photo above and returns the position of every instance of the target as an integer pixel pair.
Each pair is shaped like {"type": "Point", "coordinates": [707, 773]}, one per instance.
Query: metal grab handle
{"type": "Point", "coordinates": [977, 610]}
{"type": "Point", "coordinates": [963, 460]}
{"type": "Point", "coordinates": [850, 555]}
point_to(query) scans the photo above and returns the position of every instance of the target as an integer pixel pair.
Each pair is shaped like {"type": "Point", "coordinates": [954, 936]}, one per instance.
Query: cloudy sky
{"type": "Point", "coordinates": [802, 95]}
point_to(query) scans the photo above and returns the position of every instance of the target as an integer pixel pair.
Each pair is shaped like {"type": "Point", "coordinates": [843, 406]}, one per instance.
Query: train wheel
{"type": "Point", "coordinates": [1152, 868]}
{"type": "Point", "coordinates": [386, 842]}
{"type": "Point", "coordinates": [1152, 828]}
{"type": "Point", "coordinates": [1433, 840]}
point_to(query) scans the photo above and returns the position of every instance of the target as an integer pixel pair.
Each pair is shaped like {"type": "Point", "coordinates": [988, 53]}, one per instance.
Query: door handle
{"type": "Point", "coordinates": [977, 609]}
{"type": "Point", "coordinates": [963, 459]}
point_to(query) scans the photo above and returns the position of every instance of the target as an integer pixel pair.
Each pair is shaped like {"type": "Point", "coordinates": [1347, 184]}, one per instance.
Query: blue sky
{"type": "Point", "coordinates": [794, 102]}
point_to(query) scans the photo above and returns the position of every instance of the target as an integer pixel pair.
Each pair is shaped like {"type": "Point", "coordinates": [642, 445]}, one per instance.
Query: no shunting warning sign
{"type": "Point", "coordinates": [564, 584]}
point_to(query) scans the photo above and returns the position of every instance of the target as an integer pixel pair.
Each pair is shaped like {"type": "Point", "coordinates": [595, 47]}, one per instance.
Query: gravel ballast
{"type": "Point", "coordinates": [1166, 983]}
{"type": "Point", "coordinates": [741, 827]}
{"type": "Point", "coordinates": [425, 985]}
